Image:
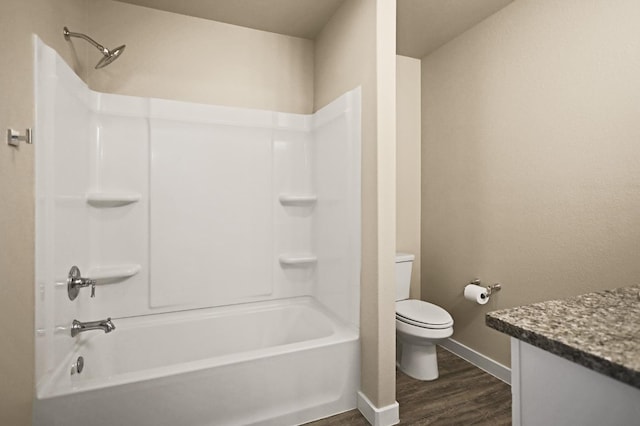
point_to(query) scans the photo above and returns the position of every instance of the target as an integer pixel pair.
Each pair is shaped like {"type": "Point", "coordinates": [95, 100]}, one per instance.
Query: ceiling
{"type": "Point", "coordinates": [423, 25]}
{"type": "Point", "coordinates": [297, 18]}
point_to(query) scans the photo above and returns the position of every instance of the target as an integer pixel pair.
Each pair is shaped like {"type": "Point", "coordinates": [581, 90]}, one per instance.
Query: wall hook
{"type": "Point", "coordinates": [14, 137]}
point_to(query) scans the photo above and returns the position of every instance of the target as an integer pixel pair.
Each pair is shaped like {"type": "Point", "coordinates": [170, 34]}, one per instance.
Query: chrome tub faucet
{"type": "Point", "coordinates": [78, 327]}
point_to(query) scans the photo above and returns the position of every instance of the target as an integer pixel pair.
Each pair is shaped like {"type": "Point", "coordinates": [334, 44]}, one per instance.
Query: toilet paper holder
{"type": "Point", "coordinates": [490, 288]}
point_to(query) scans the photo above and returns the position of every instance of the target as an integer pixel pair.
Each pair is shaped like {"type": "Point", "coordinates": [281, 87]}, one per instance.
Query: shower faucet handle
{"type": "Point", "coordinates": [75, 282]}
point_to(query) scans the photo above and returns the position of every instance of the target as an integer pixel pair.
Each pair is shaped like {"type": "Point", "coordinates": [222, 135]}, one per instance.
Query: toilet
{"type": "Point", "coordinates": [419, 326]}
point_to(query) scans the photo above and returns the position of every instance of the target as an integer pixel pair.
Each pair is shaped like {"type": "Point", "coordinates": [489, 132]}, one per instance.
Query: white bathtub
{"type": "Point", "coordinates": [279, 363]}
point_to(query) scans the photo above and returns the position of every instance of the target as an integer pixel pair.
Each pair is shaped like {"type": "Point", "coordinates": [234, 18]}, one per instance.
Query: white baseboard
{"type": "Point", "coordinates": [483, 362]}
{"type": "Point", "coordinates": [385, 416]}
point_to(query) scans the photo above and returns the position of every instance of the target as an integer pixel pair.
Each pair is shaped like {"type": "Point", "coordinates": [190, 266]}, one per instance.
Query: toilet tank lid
{"type": "Point", "coordinates": [404, 257]}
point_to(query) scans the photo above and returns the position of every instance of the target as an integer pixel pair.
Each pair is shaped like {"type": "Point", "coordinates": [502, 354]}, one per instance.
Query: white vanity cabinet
{"type": "Point", "coordinates": [551, 391]}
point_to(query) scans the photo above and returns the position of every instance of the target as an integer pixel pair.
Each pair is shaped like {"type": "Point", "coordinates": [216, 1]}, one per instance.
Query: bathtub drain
{"type": "Point", "coordinates": [77, 366]}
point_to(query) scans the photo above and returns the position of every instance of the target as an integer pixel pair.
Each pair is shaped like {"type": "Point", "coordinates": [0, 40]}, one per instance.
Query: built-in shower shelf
{"type": "Point", "coordinates": [112, 199]}
{"type": "Point", "coordinates": [298, 259]}
{"type": "Point", "coordinates": [298, 199]}
{"type": "Point", "coordinates": [114, 272]}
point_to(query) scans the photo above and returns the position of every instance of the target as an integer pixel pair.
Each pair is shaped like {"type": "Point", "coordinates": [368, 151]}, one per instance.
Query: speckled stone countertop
{"type": "Point", "coordinates": [600, 331]}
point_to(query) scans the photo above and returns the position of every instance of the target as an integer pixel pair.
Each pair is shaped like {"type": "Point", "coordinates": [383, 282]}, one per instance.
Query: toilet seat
{"type": "Point", "coordinates": [423, 314]}
{"type": "Point", "coordinates": [420, 335]}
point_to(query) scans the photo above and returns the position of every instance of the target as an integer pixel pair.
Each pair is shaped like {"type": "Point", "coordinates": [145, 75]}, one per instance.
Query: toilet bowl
{"type": "Point", "coordinates": [419, 326]}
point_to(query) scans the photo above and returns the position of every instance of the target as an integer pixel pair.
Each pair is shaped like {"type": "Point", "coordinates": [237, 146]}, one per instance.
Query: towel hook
{"type": "Point", "coordinates": [14, 137]}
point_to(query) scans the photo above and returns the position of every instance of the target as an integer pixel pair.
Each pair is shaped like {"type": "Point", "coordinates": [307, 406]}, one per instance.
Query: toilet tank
{"type": "Point", "coordinates": [404, 263]}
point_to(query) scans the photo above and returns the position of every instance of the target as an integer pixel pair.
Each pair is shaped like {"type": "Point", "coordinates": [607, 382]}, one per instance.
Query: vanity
{"type": "Point", "coordinates": [575, 361]}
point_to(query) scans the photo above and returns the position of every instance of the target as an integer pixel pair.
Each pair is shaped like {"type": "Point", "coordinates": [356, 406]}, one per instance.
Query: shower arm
{"type": "Point", "coordinates": [68, 34]}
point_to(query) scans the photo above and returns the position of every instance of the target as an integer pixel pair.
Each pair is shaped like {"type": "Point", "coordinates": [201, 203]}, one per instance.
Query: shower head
{"type": "Point", "coordinates": [108, 55]}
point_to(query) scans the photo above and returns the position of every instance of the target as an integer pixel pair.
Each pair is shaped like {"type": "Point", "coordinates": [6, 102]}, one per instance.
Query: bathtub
{"type": "Point", "coordinates": [279, 363]}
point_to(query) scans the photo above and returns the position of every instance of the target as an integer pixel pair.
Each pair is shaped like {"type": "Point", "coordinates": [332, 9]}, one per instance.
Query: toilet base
{"type": "Point", "coordinates": [419, 361]}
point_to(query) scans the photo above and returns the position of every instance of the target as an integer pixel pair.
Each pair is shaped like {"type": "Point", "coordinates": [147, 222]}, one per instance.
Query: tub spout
{"type": "Point", "coordinates": [78, 327]}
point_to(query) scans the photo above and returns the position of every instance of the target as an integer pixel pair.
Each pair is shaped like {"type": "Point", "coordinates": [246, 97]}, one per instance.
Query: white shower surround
{"type": "Point", "coordinates": [209, 210]}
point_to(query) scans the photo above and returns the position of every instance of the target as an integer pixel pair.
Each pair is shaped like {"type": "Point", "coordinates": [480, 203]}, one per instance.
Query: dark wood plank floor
{"type": "Point", "coordinates": [463, 395]}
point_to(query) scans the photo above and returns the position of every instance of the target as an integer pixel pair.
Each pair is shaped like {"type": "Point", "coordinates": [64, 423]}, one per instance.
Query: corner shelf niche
{"type": "Point", "coordinates": [113, 272]}
{"type": "Point", "coordinates": [298, 199]}
{"type": "Point", "coordinates": [305, 259]}
{"type": "Point", "coordinates": [112, 199]}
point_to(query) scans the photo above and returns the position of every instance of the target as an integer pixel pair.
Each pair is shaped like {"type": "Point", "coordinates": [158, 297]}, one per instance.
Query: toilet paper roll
{"type": "Point", "coordinates": [476, 293]}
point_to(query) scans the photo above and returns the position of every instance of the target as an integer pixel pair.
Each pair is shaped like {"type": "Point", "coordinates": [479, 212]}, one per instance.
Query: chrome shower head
{"type": "Point", "coordinates": [108, 55]}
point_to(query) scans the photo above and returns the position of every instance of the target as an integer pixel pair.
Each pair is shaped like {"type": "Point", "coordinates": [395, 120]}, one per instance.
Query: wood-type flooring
{"type": "Point", "coordinates": [462, 395]}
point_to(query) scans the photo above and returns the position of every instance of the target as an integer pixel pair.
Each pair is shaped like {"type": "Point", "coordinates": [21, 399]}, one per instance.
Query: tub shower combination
{"type": "Point", "coordinates": [195, 264]}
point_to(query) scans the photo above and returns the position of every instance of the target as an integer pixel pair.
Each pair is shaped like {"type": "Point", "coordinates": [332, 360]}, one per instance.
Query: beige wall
{"type": "Point", "coordinates": [408, 150]}
{"type": "Point", "coordinates": [531, 148]}
{"type": "Point", "coordinates": [348, 55]}
{"type": "Point", "coordinates": [19, 19]}
{"type": "Point", "coordinates": [386, 229]}
{"type": "Point", "coordinates": [180, 57]}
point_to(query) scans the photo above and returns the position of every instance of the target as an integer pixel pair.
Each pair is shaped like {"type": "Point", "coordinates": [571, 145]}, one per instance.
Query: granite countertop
{"type": "Point", "coordinates": [600, 330]}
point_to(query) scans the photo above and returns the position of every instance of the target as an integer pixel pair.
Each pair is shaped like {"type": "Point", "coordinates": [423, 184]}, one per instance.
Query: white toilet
{"type": "Point", "coordinates": [419, 326]}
